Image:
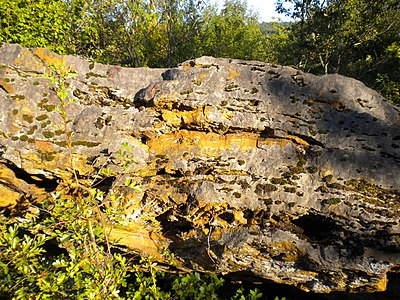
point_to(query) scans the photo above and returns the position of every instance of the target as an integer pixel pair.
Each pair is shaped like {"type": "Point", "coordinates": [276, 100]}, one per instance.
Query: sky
{"type": "Point", "coordinates": [265, 8]}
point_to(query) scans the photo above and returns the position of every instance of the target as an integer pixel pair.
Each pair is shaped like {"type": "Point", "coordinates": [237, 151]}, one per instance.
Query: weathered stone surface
{"type": "Point", "coordinates": [243, 165]}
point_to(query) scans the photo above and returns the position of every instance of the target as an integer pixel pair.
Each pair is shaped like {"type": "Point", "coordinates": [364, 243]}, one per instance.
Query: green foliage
{"type": "Point", "coordinates": [136, 33]}
{"type": "Point", "coordinates": [253, 295]}
{"type": "Point", "coordinates": [234, 32]}
{"type": "Point", "coordinates": [280, 46]}
{"type": "Point", "coordinates": [39, 23]}
{"type": "Point", "coordinates": [85, 269]}
{"type": "Point", "coordinates": [67, 255]}
{"type": "Point", "coordinates": [389, 88]}
{"type": "Point", "coordinates": [20, 261]}
{"type": "Point", "coordinates": [195, 286]}
{"type": "Point", "coordinates": [145, 287]}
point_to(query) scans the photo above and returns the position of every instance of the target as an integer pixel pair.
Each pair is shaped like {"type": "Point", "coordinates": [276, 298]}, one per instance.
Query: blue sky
{"type": "Point", "coordinates": [265, 8]}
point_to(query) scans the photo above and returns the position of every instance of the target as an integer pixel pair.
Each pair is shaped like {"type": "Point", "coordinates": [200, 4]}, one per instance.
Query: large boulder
{"type": "Point", "coordinates": [244, 167]}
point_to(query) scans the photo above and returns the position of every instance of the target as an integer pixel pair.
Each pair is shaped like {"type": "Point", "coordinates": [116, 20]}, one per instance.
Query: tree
{"type": "Point", "coordinates": [40, 23]}
{"type": "Point", "coordinates": [234, 32]}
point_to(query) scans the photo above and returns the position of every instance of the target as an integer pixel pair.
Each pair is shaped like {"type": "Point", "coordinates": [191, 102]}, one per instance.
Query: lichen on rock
{"type": "Point", "coordinates": [242, 165]}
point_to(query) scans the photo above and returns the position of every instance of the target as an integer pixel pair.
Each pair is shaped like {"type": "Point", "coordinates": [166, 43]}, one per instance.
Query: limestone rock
{"type": "Point", "coordinates": [244, 166]}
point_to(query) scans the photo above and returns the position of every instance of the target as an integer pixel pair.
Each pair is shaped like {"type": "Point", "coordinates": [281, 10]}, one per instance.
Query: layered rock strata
{"type": "Point", "coordinates": [244, 167]}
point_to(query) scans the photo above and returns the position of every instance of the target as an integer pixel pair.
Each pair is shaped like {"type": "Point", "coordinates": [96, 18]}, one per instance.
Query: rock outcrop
{"type": "Point", "coordinates": [243, 166]}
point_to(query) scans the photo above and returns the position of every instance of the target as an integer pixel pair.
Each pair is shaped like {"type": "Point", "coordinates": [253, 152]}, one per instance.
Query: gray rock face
{"type": "Point", "coordinates": [243, 165]}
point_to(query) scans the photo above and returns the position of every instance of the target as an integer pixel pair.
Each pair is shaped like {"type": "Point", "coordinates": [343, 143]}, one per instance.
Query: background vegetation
{"type": "Point", "coordinates": [357, 38]}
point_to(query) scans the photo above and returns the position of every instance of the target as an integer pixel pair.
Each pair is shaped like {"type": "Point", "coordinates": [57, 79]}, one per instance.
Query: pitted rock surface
{"type": "Point", "coordinates": [244, 166]}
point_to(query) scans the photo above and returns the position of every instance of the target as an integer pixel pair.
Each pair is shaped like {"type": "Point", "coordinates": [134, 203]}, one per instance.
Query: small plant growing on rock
{"type": "Point", "coordinates": [58, 76]}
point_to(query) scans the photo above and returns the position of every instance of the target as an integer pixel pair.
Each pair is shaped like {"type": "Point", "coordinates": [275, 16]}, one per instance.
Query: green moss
{"type": "Point", "coordinates": [27, 118]}
{"type": "Point", "coordinates": [48, 134]}
{"type": "Point", "coordinates": [280, 181]}
{"type": "Point", "coordinates": [237, 195]}
{"type": "Point", "coordinates": [359, 185]}
{"type": "Point", "coordinates": [32, 129]}
{"type": "Point", "coordinates": [14, 138]}
{"type": "Point", "coordinates": [292, 173]}
{"type": "Point", "coordinates": [231, 87]}
{"type": "Point", "coordinates": [372, 193]}
{"type": "Point", "coordinates": [36, 83]}
{"type": "Point", "coordinates": [241, 162]}
{"type": "Point", "coordinates": [312, 169]}
{"type": "Point", "coordinates": [91, 66]}
{"type": "Point", "coordinates": [296, 169]}
{"type": "Point", "coordinates": [197, 82]}
{"type": "Point", "coordinates": [301, 162]}
{"type": "Point", "coordinates": [14, 111]}
{"type": "Point", "coordinates": [333, 201]}
{"type": "Point", "coordinates": [265, 188]}
{"type": "Point", "coordinates": [91, 74]}
{"type": "Point", "coordinates": [42, 117]}
{"type": "Point", "coordinates": [47, 156]}
{"type": "Point", "coordinates": [58, 132]}
{"type": "Point", "coordinates": [86, 144]}
{"type": "Point", "coordinates": [289, 189]}
{"type": "Point", "coordinates": [63, 144]}
{"type": "Point", "coordinates": [44, 124]}
{"type": "Point", "coordinates": [49, 107]}
{"type": "Point", "coordinates": [224, 103]}
{"type": "Point", "coordinates": [187, 92]}
{"type": "Point", "coordinates": [23, 138]}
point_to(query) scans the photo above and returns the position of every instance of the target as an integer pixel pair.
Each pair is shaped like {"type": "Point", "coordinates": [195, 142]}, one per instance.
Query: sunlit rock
{"type": "Point", "coordinates": [242, 165]}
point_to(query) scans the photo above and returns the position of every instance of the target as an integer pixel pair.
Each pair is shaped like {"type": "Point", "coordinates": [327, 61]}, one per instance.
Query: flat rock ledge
{"type": "Point", "coordinates": [244, 167]}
